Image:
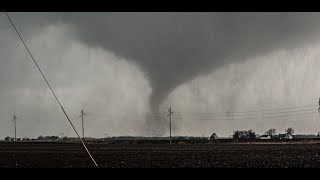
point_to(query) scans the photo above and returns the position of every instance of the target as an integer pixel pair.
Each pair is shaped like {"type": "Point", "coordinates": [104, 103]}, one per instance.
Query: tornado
{"type": "Point", "coordinates": [174, 48]}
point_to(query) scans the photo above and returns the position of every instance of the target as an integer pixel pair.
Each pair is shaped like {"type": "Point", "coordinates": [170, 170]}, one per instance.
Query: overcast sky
{"type": "Point", "coordinates": [126, 69]}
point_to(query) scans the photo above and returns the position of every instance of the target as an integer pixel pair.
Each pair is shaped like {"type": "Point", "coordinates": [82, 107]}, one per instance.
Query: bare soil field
{"type": "Point", "coordinates": [161, 155]}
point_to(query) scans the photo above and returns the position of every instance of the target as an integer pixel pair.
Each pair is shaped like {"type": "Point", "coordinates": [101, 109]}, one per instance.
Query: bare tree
{"type": "Point", "coordinates": [289, 131]}
{"type": "Point", "coordinates": [270, 132]}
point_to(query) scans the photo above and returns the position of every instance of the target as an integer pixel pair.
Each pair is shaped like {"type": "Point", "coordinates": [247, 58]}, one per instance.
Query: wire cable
{"type": "Point", "coordinates": [250, 114]}
{"type": "Point", "coordinates": [266, 117]}
{"type": "Point", "coordinates": [264, 110]}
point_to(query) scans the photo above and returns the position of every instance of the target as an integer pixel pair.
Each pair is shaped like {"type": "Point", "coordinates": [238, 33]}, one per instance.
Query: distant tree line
{"type": "Point", "coordinates": [52, 138]}
{"type": "Point", "coordinates": [250, 134]}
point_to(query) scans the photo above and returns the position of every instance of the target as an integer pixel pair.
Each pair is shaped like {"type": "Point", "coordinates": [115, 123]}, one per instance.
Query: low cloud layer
{"type": "Point", "coordinates": [83, 77]}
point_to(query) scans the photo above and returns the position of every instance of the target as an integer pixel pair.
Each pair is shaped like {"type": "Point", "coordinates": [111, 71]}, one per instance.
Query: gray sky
{"type": "Point", "coordinates": [121, 66]}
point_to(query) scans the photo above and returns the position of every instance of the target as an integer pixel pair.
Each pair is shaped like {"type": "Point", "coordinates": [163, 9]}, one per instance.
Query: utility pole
{"type": "Point", "coordinates": [82, 114]}
{"type": "Point", "coordinates": [15, 127]}
{"type": "Point", "coordinates": [169, 115]}
{"type": "Point", "coordinates": [319, 106]}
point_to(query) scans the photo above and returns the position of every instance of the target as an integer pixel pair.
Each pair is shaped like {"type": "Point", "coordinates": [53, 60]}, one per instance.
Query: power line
{"type": "Point", "coordinates": [268, 117]}
{"type": "Point", "coordinates": [92, 115]}
{"type": "Point", "coordinates": [249, 114]}
{"type": "Point", "coordinates": [127, 116]}
{"type": "Point", "coordinates": [263, 110]}
{"type": "Point", "coordinates": [50, 87]}
{"type": "Point", "coordinates": [150, 116]}
{"type": "Point", "coordinates": [200, 116]}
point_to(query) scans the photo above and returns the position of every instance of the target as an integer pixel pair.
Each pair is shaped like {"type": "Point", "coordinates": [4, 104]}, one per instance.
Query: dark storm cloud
{"type": "Point", "coordinates": [173, 48]}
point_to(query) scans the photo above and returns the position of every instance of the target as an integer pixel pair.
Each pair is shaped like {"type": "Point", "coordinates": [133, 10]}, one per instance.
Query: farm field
{"type": "Point", "coordinates": [160, 155]}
